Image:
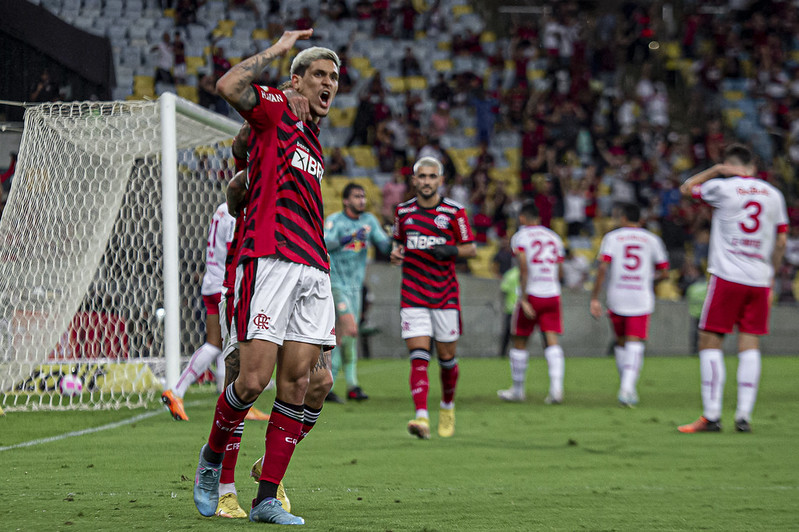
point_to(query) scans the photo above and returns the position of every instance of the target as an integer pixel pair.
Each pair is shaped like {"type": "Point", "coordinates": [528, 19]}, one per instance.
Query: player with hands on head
{"type": "Point", "coordinates": [347, 235]}
{"type": "Point", "coordinates": [748, 235]}
{"type": "Point", "coordinates": [539, 253]}
{"type": "Point", "coordinates": [283, 304]}
{"type": "Point", "coordinates": [430, 233]}
{"type": "Point", "coordinates": [633, 260]}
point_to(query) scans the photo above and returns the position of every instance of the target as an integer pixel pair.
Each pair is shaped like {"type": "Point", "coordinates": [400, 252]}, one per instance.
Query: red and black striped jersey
{"type": "Point", "coordinates": [427, 282]}
{"type": "Point", "coordinates": [285, 216]}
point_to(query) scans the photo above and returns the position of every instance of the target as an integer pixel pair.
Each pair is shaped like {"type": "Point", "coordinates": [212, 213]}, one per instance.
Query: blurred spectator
{"type": "Point", "coordinates": [165, 60]}
{"type": "Point", "coordinates": [440, 121]}
{"type": "Point", "coordinates": [179, 53]}
{"type": "Point", "coordinates": [246, 4]}
{"type": "Point", "coordinates": [407, 14]}
{"type": "Point", "coordinates": [208, 96]}
{"type": "Point", "coordinates": [409, 65]}
{"type": "Point", "coordinates": [186, 12]}
{"type": "Point", "coordinates": [45, 90]}
{"type": "Point", "coordinates": [305, 21]}
{"type": "Point", "coordinates": [441, 91]}
{"type": "Point", "coordinates": [335, 164]}
{"type": "Point", "coordinates": [394, 193]}
{"type": "Point", "coordinates": [363, 125]}
{"type": "Point", "coordinates": [384, 146]}
{"type": "Point", "coordinates": [220, 63]}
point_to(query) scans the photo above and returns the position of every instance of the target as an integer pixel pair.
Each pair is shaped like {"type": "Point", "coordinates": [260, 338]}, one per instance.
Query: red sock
{"type": "Point", "coordinates": [282, 435]}
{"type": "Point", "coordinates": [231, 456]}
{"type": "Point", "coordinates": [230, 411]}
{"type": "Point", "coordinates": [449, 379]}
{"type": "Point", "coordinates": [419, 383]}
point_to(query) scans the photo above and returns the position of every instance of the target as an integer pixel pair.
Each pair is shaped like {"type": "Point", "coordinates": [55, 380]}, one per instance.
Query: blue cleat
{"type": "Point", "coordinates": [206, 486]}
{"type": "Point", "coordinates": [270, 510]}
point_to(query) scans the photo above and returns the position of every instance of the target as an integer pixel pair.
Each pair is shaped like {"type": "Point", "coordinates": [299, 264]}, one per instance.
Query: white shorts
{"type": "Point", "coordinates": [443, 325]}
{"type": "Point", "coordinates": [279, 301]}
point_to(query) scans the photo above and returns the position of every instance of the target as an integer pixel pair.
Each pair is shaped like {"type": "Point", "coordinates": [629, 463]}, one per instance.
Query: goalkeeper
{"type": "Point", "coordinates": [347, 234]}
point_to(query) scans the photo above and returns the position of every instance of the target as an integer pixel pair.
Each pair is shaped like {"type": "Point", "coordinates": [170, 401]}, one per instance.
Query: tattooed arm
{"type": "Point", "coordinates": [235, 85]}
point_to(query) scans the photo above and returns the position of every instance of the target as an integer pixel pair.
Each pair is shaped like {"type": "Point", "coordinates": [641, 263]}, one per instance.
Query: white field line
{"type": "Point", "coordinates": [92, 430]}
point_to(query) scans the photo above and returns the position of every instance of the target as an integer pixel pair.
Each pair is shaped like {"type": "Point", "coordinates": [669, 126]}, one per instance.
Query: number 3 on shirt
{"type": "Point", "coordinates": [753, 210]}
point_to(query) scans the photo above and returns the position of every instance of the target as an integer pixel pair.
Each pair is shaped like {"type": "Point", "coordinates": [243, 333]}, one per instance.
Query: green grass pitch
{"type": "Point", "coordinates": [584, 465]}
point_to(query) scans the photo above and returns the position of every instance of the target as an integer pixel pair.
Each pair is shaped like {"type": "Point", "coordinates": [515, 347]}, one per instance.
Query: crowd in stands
{"type": "Point", "coordinates": [578, 110]}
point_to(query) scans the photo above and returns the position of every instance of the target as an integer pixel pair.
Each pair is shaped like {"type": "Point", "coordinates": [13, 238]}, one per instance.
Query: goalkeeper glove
{"type": "Point", "coordinates": [443, 251]}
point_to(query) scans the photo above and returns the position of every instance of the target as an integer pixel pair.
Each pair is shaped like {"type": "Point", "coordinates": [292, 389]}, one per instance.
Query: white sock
{"type": "Point", "coordinates": [555, 363]}
{"type": "Point", "coordinates": [200, 361]}
{"type": "Point", "coordinates": [620, 353]}
{"type": "Point", "coordinates": [422, 413]}
{"type": "Point", "coordinates": [220, 372]}
{"type": "Point", "coordinates": [713, 374]}
{"type": "Point", "coordinates": [227, 488]}
{"type": "Point", "coordinates": [634, 361]}
{"type": "Point", "coordinates": [447, 406]}
{"type": "Point", "coordinates": [748, 381]}
{"type": "Point", "coordinates": [518, 368]}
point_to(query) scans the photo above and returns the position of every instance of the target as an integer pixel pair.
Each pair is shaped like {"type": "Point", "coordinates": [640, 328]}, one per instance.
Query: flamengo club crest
{"type": "Point", "coordinates": [441, 221]}
{"type": "Point", "coordinates": [261, 321]}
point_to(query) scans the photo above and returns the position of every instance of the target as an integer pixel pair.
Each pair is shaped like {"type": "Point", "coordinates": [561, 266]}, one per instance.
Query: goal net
{"type": "Point", "coordinates": [102, 247]}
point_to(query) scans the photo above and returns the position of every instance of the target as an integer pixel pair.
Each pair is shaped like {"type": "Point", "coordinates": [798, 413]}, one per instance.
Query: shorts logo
{"type": "Point", "coordinates": [333, 331]}
{"type": "Point", "coordinates": [441, 221]}
{"type": "Point", "coordinates": [342, 306]}
{"type": "Point", "coordinates": [261, 321]}
{"type": "Point", "coordinates": [406, 326]}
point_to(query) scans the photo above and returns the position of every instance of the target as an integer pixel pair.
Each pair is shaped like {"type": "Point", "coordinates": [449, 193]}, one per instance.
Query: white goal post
{"type": "Point", "coordinates": [102, 247]}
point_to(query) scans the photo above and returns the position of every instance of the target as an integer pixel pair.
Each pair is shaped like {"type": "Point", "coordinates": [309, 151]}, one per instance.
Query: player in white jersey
{"type": "Point", "coordinates": [539, 252]}
{"type": "Point", "coordinates": [220, 234]}
{"type": "Point", "coordinates": [632, 259]}
{"type": "Point", "coordinates": [748, 235]}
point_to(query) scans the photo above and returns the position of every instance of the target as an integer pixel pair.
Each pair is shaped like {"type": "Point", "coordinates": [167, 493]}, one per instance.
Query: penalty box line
{"type": "Point", "coordinates": [83, 432]}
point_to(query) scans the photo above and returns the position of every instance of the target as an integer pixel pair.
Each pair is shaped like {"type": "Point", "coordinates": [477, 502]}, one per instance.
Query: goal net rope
{"type": "Point", "coordinates": [100, 262]}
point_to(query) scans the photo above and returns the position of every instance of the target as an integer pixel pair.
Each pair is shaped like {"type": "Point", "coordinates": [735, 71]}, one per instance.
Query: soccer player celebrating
{"type": "Point", "coordinates": [220, 234]}
{"type": "Point", "coordinates": [629, 257]}
{"type": "Point", "coordinates": [747, 242]}
{"type": "Point", "coordinates": [539, 252]}
{"type": "Point", "coordinates": [347, 234]}
{"type": "Point", "coordinates": [284, 311]}
{"type": "Point", "coordinates": [430, 232]}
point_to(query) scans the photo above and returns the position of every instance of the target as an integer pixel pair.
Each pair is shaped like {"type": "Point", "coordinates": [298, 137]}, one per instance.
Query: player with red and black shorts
{"type": "Point", "coordinates": [748, 235]}
{"type": "Point", "coordinates": [539, 253]}
{"type": "Point", "coordinates": [284, 313]}
{"type": "Point", "coordinates": [632, 259]}
{"type": "Point", "coordinates": [430, 233]}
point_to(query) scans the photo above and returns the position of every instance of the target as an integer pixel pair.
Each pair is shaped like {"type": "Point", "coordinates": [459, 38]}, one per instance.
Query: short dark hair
{"type": "Point", "coordinates": [740, 152]}
{"type": "Point", "coordinates": [349, 188]}
{"type": "Point", "coordinates": [631, 211]}
{"type": "Point", "coordinates": [529, 210]}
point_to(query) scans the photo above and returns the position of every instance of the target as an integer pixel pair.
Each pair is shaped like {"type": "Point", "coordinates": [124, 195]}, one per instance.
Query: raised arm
{"type": "Point", "coordinates": [234, 86]}
{"type": "Point", "coordinates": [686, 189]}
